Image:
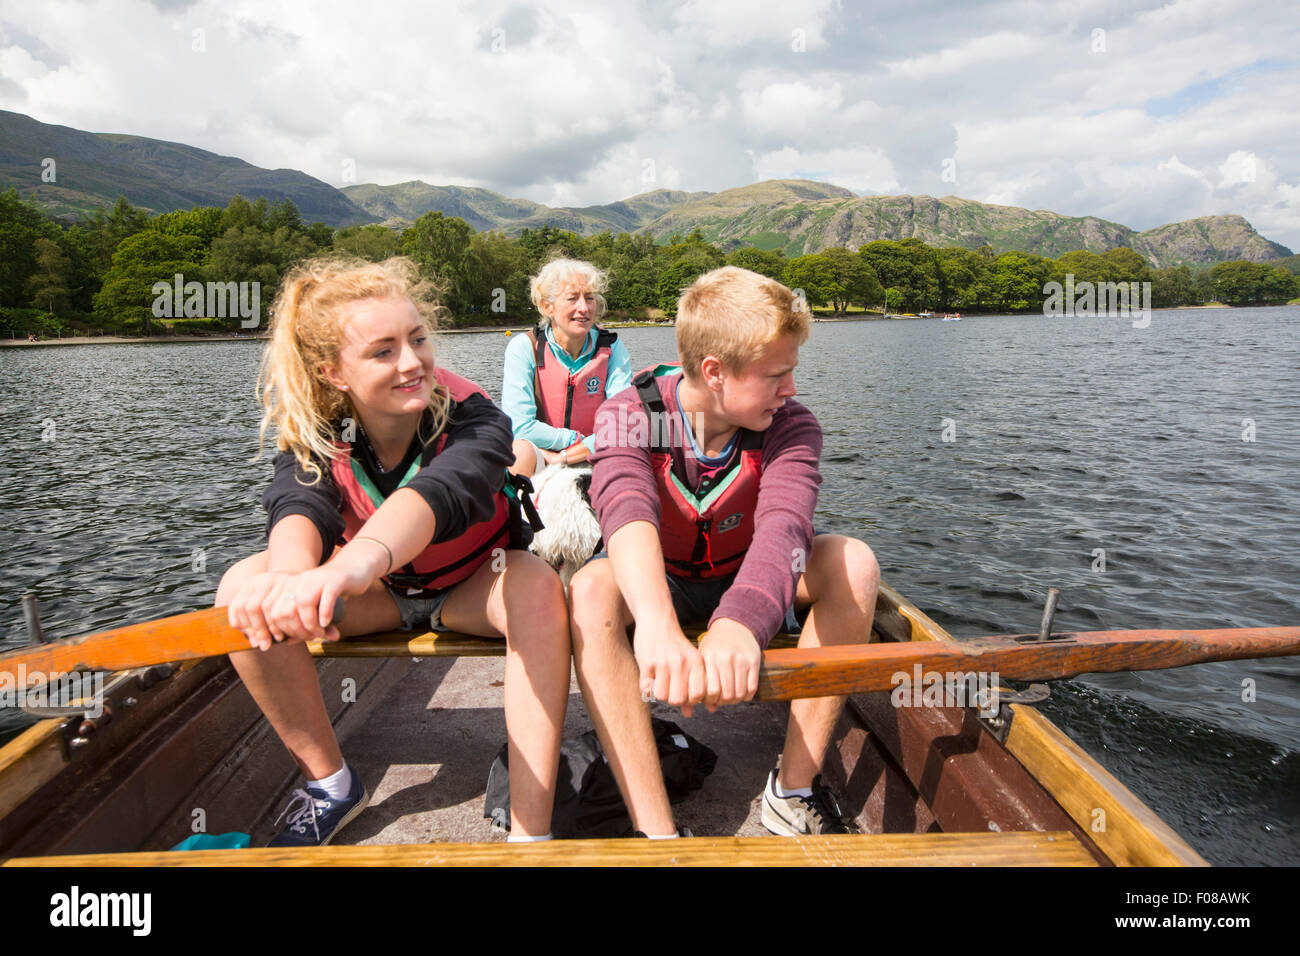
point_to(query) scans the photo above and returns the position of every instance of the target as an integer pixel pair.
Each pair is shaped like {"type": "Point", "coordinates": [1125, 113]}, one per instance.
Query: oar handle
{"type": "Point", "coordinates": [183, 637]}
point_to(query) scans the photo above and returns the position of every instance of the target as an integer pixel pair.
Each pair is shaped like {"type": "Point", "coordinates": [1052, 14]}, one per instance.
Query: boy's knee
{"type": "Point", "coordinates": [592, 590]}
{"type": "Point", "coordinates": [861, 565]}
{"type": "Point", "coordinates": [594, 598]}
{"type": "Point", "coordinates": [841, 564]}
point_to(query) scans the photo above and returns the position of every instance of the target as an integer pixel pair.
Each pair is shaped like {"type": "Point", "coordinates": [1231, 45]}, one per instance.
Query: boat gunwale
{"type": "Point", "coordinates": [1131, 833]}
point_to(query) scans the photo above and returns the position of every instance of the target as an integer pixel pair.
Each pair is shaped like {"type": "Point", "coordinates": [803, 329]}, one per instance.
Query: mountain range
{"type": "Point", "coordinates": [796, 216]}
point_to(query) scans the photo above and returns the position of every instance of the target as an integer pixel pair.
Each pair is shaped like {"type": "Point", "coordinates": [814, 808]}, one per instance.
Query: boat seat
{"type": "Point", "coordinates": [449, 644]}
{"type": "Point", "coordinates": [1029, 848]}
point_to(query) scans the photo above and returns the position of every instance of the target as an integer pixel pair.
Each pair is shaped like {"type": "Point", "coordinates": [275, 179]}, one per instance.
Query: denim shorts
{"type": "Point", "coordinates": [419, 610]}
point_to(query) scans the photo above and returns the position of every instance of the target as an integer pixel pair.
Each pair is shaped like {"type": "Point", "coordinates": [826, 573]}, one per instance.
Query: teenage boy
{"type": "Point", "coordinates": [705, 481]}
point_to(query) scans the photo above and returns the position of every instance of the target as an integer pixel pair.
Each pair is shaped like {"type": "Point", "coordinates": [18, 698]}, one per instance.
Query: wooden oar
{"type": "Point", "coordinates": [180, 638]}
{"type": "Point", "coordinates": [183, 637]}
{"type": "Point", "coordinates": [787, 674]}
{"type": "Point", "coordinates": [826, 671]}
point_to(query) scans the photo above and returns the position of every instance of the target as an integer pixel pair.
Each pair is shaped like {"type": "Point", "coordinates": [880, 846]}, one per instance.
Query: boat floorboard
{"type": "Point", "coordinates": [424, 753]}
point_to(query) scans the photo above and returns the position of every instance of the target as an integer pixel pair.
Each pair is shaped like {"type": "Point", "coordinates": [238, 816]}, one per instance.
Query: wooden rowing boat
{"type": "Point", "coordinates": [929, 785]}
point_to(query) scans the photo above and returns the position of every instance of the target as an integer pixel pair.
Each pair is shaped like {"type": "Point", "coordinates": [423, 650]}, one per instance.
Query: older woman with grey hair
{"type": "Point", "coordinates": [558, 374]}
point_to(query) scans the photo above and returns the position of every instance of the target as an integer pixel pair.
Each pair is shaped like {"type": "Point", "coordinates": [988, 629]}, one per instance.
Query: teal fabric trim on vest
{"type": "Point", "coordinates": [368, 486]}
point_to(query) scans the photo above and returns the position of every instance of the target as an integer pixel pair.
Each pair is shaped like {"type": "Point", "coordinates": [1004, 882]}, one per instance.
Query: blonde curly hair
{"type": "Point", "coordinates": [306, 336]}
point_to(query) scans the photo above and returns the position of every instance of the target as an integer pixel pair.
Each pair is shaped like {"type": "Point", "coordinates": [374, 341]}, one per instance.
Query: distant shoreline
{"type": "Point", "coordinates": [851, 317]}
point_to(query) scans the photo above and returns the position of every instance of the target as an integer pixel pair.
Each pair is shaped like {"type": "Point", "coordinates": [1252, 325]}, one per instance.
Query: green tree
{"type": "Point", "coordinates": [440, 246]}
{"type": "Point", "coordinates": [202, 222]}
{"type": "Point", "coordinates": [547, 242]}
{"type": "Point", "coordinates": [1018, 279]}
{"type": "Point", "coordinates": [682, 262]}
{"type": "Point", "coordinates": [673, 280]}
{"type": "Point", "coordinates": [1252, 283]}
{"type": "Point", "coordinates": [321, 236]}
{"type": "Point", "coordinates": [499, 276]}
{"type": "Point", "coordinates": [814, 276]}
{"type": "Point", "coordinates": [21, 224]}
{"type": "Point", "coordinates": [241, 214]}
{"type": "Point", "coordinates": [1083, 265]}
{"type": "Point", "coordinates": [855, 280]}
{"type": "Point", "coordinates": [85, 272]}
{"type": "Point", "coordinates": [375, 243]}
{"type": "Point", "coordinates": [119, 223]}
{"type": "Point", "coordinates": [1125, 265]}
{"type": "Point", "coordinates": [127, 297]}
{"type": "Point", "coordinates": [251, 254]}
{"type": "Point", "coordinates": [963, 279]}
{"type": "Point", "coordinates": [284, 214]}
{"type": "Point", "coordinates": [634, 284]}
{"type": "Point", "coordinates": [49, 285]}
{"type": "Point", "coordinates": [910, 266]}
{"type": "Point", "coordinates": [767, 262]}
{"type": "Point", "coordinates": [1173, 287]}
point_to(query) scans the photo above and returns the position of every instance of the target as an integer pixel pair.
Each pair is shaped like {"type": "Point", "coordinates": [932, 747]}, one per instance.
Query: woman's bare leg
{"type": "Point", "coordinates": [524, 602]}
{"type": "Point", "coordinates": [283, 680]}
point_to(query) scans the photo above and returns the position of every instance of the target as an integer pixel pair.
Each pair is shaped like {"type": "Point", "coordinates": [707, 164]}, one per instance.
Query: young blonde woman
{"type": "Point", "coordinates": [561, 371]}
{"type": "Point", "coordinates": [387, 492]}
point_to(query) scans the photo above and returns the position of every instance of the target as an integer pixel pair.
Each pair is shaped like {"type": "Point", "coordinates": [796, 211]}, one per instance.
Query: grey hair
{"type": "Point", "coordinates": [545, 286]}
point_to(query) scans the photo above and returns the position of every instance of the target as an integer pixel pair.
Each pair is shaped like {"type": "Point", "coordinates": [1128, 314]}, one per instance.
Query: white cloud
{"type": "Point", "coordinates": [790, 107]}
{"type": "Point", "coordinates": [777, 24]}
{"type": "Point", "coordinates": [864, 169]}
{"type": "Point", "coordinates": [997, 47]}
{"type": "Point", "coordinates": [561, 102]}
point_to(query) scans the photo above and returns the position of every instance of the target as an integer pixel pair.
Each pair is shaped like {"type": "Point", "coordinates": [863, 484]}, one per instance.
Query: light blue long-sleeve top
{"type": "Point", "coordinates": [519, 400]}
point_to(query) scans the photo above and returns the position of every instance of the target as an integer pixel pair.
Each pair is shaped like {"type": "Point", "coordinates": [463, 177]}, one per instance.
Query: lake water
{"type": "Point", "coordinates": [127, 486]}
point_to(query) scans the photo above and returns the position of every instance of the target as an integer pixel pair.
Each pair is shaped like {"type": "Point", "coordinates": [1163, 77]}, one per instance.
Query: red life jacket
{"type": "Point", "coordinates": [704, 532]}
{"type": "Point", "coordinates": [569, 399]}
{"type": "Point", "coordinates": [443, 563]}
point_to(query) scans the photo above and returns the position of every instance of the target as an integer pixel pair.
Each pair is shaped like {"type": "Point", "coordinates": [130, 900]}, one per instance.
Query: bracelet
{"type": "Point", "coordinates": [382, 545]}
{"type": "Point", "coordinates": [564, 456]}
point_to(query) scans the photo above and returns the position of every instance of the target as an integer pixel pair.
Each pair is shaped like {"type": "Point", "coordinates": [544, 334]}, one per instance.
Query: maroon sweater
{"type": "Point", "coordinates": [623, 490]}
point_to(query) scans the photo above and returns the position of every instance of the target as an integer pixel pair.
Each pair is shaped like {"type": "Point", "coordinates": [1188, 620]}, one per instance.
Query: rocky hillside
{"type": "Point", "coordinates": [484, 209]}
{"type": "Point", "coordinates": [801, 216]}
{"type": "Point", "coordinates": [93, 169]}
{"type": "Point", "coordinates": [794, 215]}
{"type": "Point", "coordinates": [802, 225]}
{"type": "Point", "coordinates": [1207, 239]}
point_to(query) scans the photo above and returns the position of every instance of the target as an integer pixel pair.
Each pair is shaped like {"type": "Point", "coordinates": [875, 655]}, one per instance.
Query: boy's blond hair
{"type": "Point", "coordinates": [733, 314]}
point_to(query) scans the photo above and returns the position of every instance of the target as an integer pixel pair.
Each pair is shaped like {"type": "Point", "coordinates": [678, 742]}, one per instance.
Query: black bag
{"type": "Point", "coordinates": [587, 801]}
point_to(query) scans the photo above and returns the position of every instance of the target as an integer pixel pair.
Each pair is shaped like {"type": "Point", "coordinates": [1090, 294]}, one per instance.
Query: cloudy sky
{"type": "Point", "coordinates": [1139, 112]}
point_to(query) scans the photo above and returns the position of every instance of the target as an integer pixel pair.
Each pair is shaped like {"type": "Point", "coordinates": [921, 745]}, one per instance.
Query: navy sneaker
{"type": "Point", "coordinates": [315, 818]}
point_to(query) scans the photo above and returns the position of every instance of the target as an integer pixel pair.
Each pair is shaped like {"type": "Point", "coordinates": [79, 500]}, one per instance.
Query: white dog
{"type": "Point", "coordinates": [561, 494]}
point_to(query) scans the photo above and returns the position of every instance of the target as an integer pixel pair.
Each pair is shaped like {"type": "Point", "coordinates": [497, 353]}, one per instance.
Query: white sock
{"type": "Point", "coordinates": [524, 838]}
{"type": "Point", "coordinates": [784, 793]}
{"type": "Point", "coordinates": [670, 836]}
{"type": "Point", "coordinates": [336, 785]}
